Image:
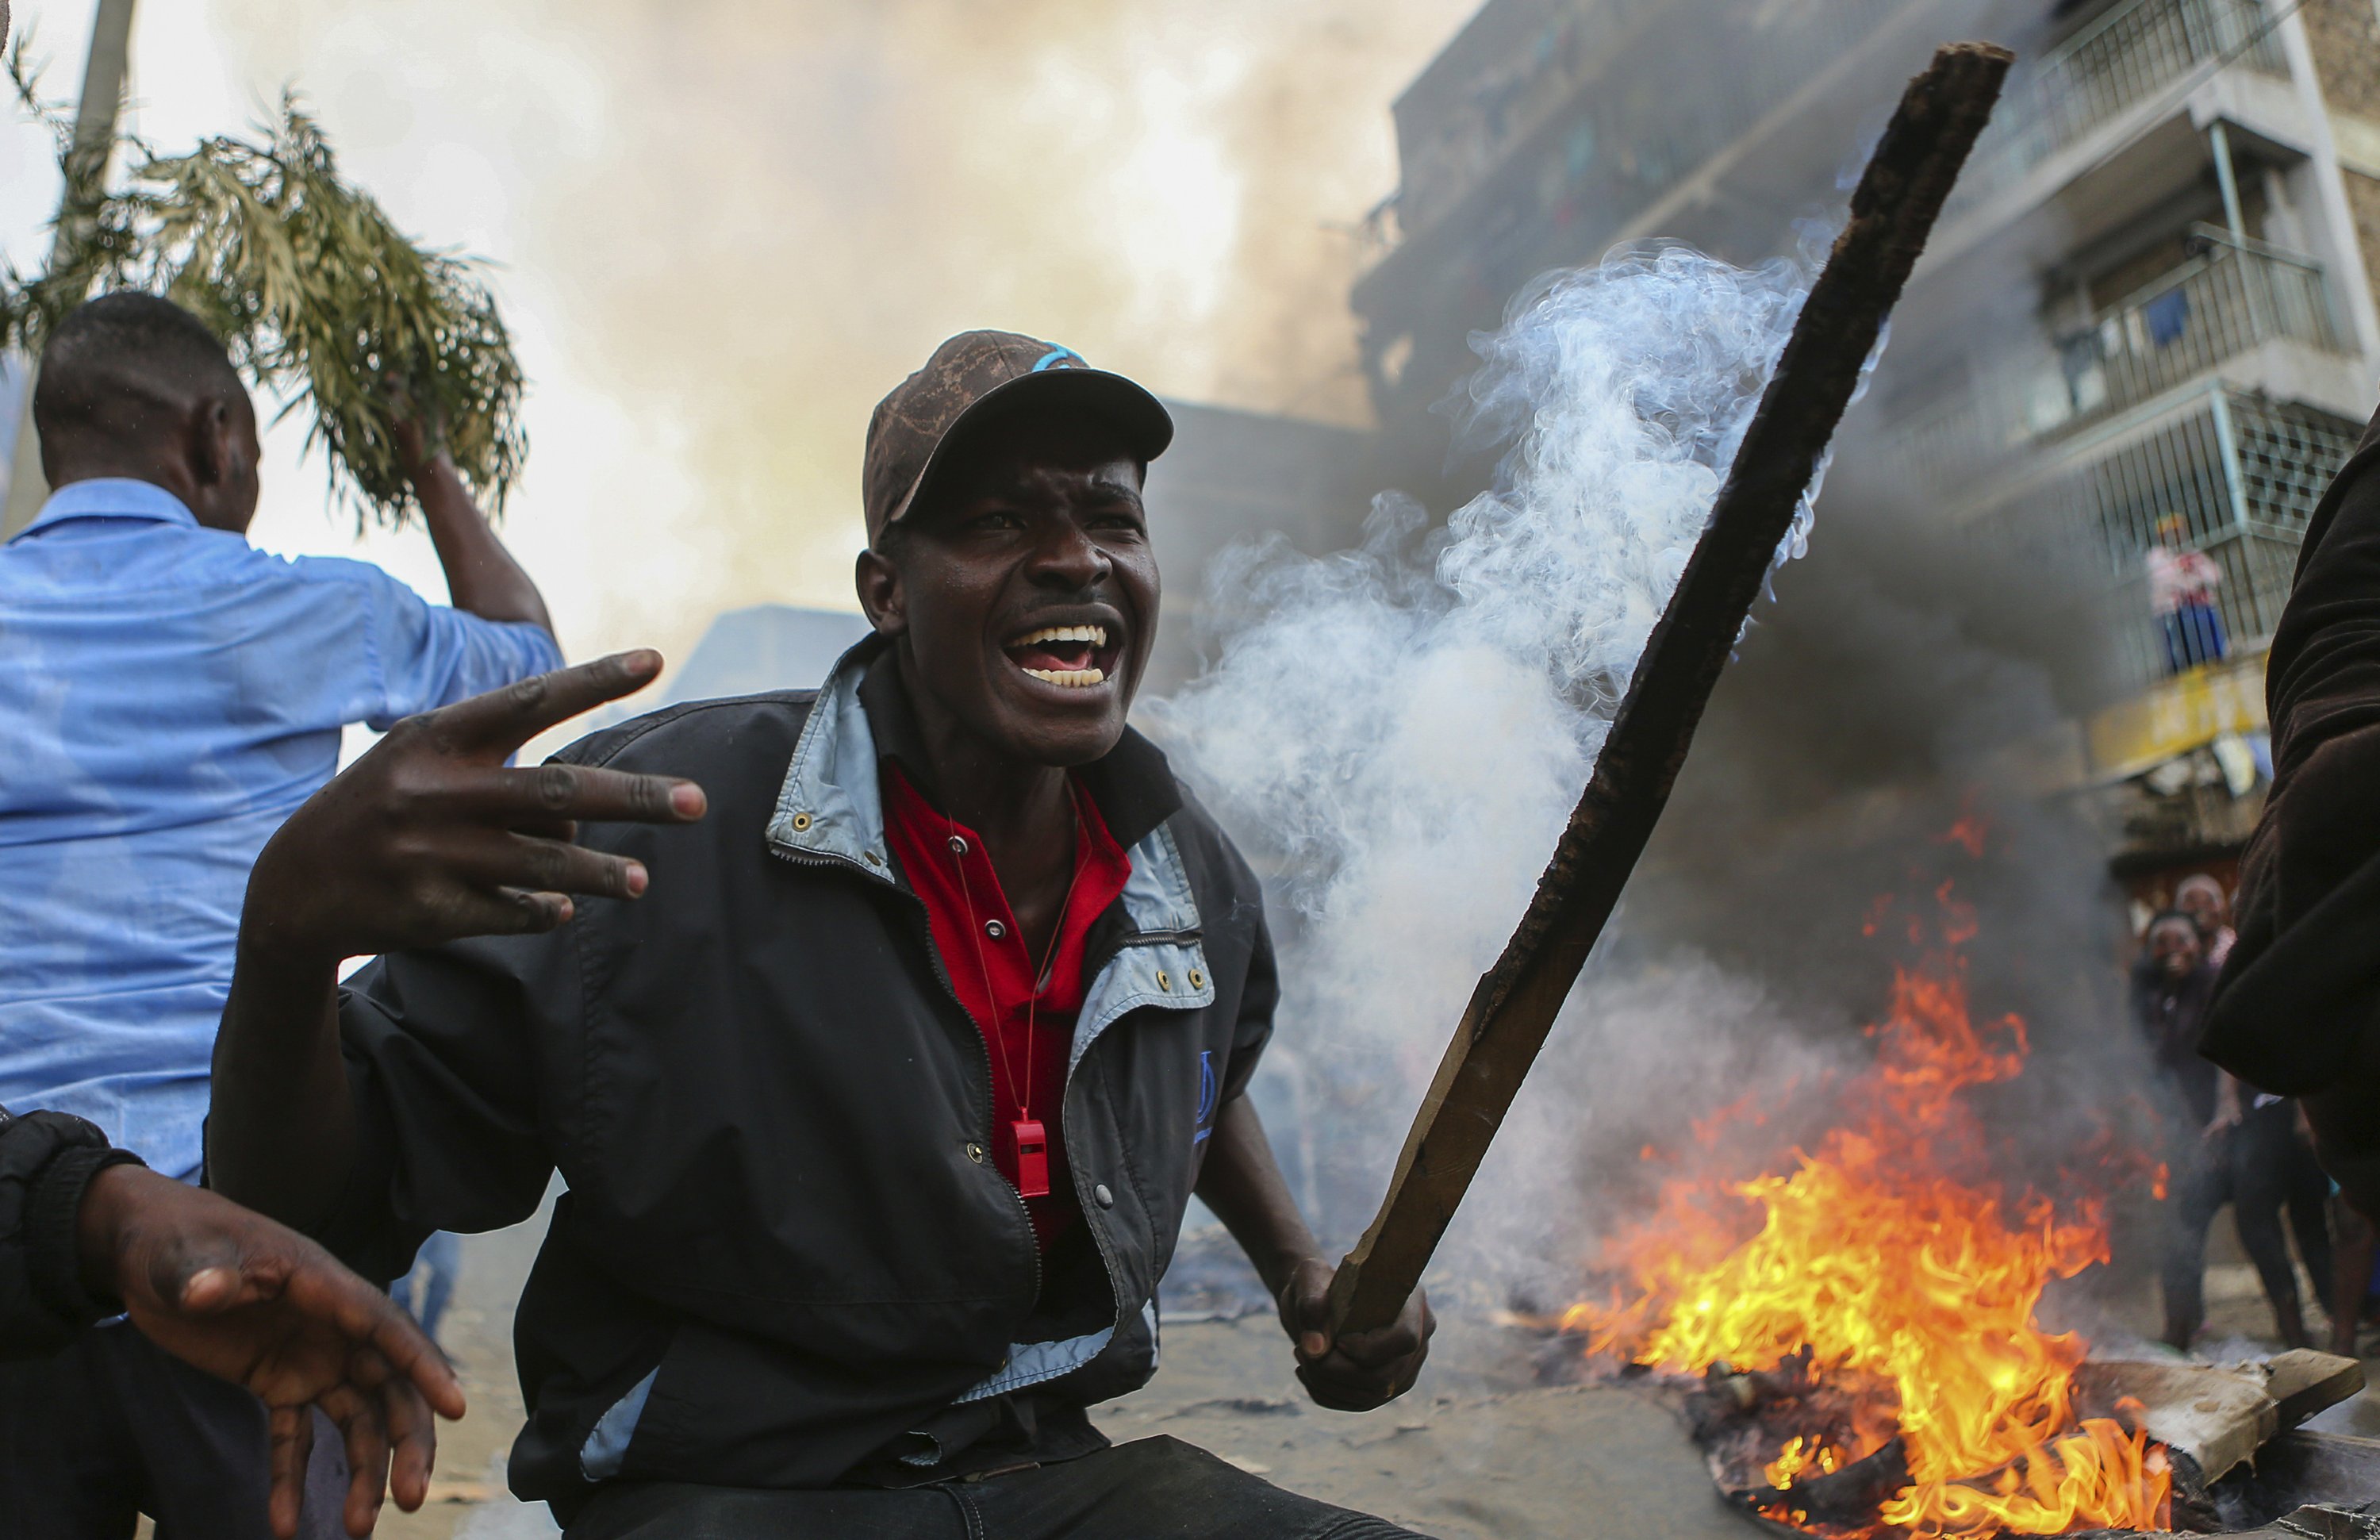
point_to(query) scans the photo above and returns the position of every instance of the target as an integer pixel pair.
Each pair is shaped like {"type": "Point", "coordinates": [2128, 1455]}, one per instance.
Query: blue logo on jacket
{"type": "Point", "coordinates": [1208, 1091]}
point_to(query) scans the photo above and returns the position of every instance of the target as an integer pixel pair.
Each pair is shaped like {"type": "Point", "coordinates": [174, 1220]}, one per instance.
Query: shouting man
{"type": "Point", "coordinates": [880, 1109]}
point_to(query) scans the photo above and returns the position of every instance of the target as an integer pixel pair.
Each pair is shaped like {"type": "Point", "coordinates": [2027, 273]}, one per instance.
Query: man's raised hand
{"type": "Point", "coordinates": [433, 837]}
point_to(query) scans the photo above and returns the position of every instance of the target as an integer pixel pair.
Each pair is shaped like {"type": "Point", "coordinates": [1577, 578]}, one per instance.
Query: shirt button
{"type": "Point", "coordinates": [975, 1152]}
{"type": "Point", "coordinates": [958, 844]}
{"type": "Point", "coordinates": [1101, 1195]}
{"type": "Point", "coordinates": [1197, 979]}
{"type": "Point", "coordinates": [994, 929]}
{"type": "Point", "coordinates": [1164, 981]}
{"type": "Point", "coordinates": [872, 858]}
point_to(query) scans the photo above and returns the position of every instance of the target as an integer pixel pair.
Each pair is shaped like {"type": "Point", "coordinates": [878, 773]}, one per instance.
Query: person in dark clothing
{"type": "Point", "coordinates": [2272, 1163]}
{"type": "Point", "coordinates": [2273, 1170]}
{"type": "Point", "coordinates": [880, 1065]}
{"type": "Point", "coordinates": [2351, 1283]}
{"type": "Point", "coordinates": [2297, 1009]}
{"type": "Point", "coordinates": [2170, 987]}
{"type": "Point", "coordinates": [2225, 1153]}
{"type": "Point", "coordinates": [88, 1233]}
{"type": "Point", "coordinates": [2170, 991]}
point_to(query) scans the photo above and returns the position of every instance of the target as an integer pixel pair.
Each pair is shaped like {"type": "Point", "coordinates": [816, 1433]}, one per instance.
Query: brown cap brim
{"type": "Point", "coordinates": [1147, 426]}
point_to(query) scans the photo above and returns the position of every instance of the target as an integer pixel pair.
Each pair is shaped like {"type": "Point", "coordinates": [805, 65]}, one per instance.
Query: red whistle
{"type": "Point", "coordinates": [1032, 1158]}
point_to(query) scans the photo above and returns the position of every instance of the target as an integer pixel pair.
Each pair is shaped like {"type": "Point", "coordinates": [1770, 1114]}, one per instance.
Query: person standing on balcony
{"type": "Point", "coordinates": [2181, 595]}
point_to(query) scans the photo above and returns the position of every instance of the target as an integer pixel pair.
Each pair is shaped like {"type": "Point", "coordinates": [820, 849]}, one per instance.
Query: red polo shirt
{"type": "Point", "coordinates": [992, 974]}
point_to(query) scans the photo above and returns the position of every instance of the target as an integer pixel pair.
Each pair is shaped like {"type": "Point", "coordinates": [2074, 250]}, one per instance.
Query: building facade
{"type": "Point", "coordinates": [2140, 342]}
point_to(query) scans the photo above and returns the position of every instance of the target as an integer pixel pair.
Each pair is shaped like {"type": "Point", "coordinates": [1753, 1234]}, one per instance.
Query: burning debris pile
{"type": "Point", "coordinates": [1864, 1322]}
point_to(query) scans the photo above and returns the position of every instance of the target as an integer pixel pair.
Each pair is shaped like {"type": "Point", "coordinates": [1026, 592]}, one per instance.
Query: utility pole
{"type": "Point", "coordinates": [104, 73]}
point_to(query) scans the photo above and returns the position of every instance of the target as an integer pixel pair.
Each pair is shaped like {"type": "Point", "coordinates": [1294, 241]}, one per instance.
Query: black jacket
{"type": "Point", "coordinates": [2172, 1011]}
{"type": "Point", "coordinates": [2298, 1008]}
{"type": "Point", "coordinates": [46, 1161]}
{"type": "Point", "coordinates": [784, 1257]}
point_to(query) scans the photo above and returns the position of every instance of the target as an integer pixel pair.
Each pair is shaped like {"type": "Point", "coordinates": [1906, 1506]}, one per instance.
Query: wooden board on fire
{"type": "Point", "coordinates": [2241, 1462]}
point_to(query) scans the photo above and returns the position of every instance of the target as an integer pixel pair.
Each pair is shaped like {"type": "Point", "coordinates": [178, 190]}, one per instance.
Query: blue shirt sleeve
{"type": "Point", "coordinates": [432, 656]}
{"type": "Point", "coordinates": [422, 656]}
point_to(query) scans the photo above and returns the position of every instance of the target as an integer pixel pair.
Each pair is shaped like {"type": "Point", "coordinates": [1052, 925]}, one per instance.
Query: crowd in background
{"type": "Point", "coordinates": [2230, 1145]}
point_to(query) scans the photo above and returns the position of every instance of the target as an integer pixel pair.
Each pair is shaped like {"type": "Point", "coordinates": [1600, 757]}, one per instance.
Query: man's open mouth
{"type": "Point", "coordinates": [1071, 656]}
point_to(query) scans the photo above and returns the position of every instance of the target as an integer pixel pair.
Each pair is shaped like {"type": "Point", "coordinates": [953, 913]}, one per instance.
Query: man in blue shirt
{"type": "Point", "coordinates": [168, 695]}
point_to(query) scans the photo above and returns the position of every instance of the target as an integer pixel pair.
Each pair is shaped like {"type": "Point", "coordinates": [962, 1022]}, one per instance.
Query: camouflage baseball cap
{"type": "Point", "coordinates": [968, 377]}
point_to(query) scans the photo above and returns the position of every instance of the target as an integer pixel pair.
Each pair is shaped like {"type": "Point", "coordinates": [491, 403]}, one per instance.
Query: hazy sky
{"type": "Point", "coordinates": [727, 226]}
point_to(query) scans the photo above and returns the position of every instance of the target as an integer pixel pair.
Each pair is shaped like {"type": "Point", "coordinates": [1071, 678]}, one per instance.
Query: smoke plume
{"type": "Point", "coordinates": [1403, 728]}
{"type": "Point", "coordinates": [1398, 732]}
{"type": "Point", "coordinates": [728, 227]}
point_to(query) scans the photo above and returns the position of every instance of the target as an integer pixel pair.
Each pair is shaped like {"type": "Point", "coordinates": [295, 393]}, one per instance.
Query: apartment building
{"type": "Point", "coordinates": [2199, 351]}
{"type": "Point", "coordinates": [2146, 321]}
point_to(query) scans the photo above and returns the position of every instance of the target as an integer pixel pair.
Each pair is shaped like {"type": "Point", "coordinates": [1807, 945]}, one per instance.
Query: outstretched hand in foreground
{"type": "Point", "coordinates": [261, 1305]}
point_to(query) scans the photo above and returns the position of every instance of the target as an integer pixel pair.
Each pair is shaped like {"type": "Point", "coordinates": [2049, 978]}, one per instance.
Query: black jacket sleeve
{"type": "Point", "coordinates": [445, 1049]}
{"type": "Point", "coordinates": [2298, 1009]}
{"type": "Point", "coordinates": [46, 1161]}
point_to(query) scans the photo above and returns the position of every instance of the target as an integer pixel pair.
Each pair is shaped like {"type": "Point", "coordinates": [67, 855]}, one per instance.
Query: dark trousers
{"type": "Point", "coordinates": [1152, 1489]}
{"type": "Point", "coordinates": [2260, 1168]}
{"type": "Point", "coordinates": [115, 1426]}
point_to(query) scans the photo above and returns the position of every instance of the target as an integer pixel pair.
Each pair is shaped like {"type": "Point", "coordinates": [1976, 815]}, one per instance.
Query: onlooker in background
{"type": "Point", "coordinates": [2272, 1160]}
{"type": "Point", "coordinates": [2351, 1283]}
{"type": "Point", "coordinates": [2227, 1153]}
{"type": "Point", "coordinates": [2202, 899]}
{"type": "Point", "coordinates": [2271, 1168]}
{"type": "Point", "coordinates": [168, 694]}
{"type": "Point", "coordinates": [2170, 989]}
{"type": "Point", "coordinates": [85, 1233]}
{"type": "Point", "coordinates": [436, 1265]}
{"type": "Point", "coordinates": [2181, 595]}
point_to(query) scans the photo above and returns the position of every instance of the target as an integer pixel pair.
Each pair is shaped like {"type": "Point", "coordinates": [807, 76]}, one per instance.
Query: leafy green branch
{"type": "Point", "coordinates": [320, 298]}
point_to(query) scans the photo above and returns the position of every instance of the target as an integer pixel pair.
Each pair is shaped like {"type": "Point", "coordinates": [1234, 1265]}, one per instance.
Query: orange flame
{"type": "Point", "coordinates": [1904, 1274]}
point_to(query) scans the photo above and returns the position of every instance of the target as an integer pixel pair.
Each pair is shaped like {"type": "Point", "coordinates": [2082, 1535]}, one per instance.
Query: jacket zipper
{"type": "Point", "coordinates": [983, 1053]}
{"type": "Point", "coordinates": [983, 1048]}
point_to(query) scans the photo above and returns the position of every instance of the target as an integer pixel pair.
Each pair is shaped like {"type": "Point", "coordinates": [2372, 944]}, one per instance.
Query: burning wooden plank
{"type": "Point", "coordinates": [2219, 1415]}
{"type": "Point", "coordinates": [1892, 212]}
{"type": "Point", "coordinates": [2220, 1425]}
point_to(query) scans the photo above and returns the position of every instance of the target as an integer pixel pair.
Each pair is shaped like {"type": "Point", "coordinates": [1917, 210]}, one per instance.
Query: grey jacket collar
{"type": "Point", "coordinates": [831, 807]}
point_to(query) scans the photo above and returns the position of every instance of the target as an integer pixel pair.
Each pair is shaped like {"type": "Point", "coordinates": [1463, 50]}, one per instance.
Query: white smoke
{"type": "Point", "coordinates": [1398, 733]}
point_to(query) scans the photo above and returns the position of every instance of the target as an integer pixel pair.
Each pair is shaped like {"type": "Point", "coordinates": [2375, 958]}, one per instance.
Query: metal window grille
{"type": "Point", "coordinates": [2242, 473]}
{"type": "Point", "coordinates": [2234, 297]}
{"type": "Point", "coordinates": [2122, 59]}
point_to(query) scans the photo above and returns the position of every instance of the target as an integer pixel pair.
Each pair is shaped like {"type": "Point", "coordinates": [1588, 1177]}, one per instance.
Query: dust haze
{"type": "Point", "coordinates": [746, 220]}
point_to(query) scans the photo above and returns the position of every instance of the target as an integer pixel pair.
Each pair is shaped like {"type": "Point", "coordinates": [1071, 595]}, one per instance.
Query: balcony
{"type": "Point", "coordinates": [2126, 57]}
{"type": "Point", "coordinates": [2241, 472]}
{"type": "Point", "coordinates": [2232, 298]}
